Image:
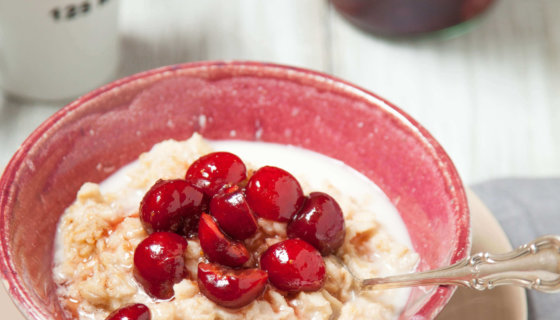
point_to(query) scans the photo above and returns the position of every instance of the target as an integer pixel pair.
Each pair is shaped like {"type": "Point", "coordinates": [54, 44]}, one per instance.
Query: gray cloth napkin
{"type": "Point", "coordinates": [526, 209]}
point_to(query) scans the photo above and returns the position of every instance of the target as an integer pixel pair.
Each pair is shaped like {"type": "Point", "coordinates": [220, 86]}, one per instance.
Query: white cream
{"type": "Point", "coordinates": [320, 170]}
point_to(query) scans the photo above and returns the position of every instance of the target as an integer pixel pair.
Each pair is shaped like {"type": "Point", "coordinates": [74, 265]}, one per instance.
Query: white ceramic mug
{"type": "Point", "coordinates": [57, 49]}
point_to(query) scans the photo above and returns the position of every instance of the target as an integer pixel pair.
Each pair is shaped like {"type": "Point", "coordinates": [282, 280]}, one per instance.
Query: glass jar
{"type": "Point", "coordinates": [410, 17]}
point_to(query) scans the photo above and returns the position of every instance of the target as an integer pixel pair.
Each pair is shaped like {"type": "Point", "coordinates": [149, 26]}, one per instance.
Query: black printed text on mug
{"type": "Point", "coordinates": [72, 11]}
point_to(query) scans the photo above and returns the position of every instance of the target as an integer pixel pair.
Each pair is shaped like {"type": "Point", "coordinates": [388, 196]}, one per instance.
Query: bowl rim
{"type": "Point", "coordinates": [18, 292]}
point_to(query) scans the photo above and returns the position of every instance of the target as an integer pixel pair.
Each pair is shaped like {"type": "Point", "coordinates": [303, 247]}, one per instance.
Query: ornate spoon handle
{"type": "Point", "coordinates": [535, 265]}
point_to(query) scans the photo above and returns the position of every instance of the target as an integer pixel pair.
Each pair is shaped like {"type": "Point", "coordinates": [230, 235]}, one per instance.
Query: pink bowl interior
{"type": "Point", "coordinates": [92, 137]}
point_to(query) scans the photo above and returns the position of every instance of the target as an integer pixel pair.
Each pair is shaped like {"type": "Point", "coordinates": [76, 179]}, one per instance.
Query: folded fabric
{"type": "Point", "coordinates": [526, 209]}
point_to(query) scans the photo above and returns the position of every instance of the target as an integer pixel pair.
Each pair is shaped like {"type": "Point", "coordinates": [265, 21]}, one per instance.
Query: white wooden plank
{"type": "Point", "coordinates": [490, 96]}
{"type": "Point", "coordinates": [158, 33]}
{"type": "Point", "coordinates": [17, 120]}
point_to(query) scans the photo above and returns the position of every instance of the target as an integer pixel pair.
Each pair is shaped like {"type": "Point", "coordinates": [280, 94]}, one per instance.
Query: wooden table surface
{"type": "Point", "coordinates": [491, 97]}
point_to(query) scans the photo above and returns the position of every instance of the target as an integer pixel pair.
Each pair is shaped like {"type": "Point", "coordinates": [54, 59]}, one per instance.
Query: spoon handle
{"type": "Point", "coordinates": [535, 265]}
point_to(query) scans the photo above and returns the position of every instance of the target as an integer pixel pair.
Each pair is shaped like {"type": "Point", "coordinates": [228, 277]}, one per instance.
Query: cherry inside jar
{"type": "Point", "coordinates": [409, 17]}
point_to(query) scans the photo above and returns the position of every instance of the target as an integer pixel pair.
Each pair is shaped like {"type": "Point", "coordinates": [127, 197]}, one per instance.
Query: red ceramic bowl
{"type": "Point", "coordinates": [95, 135]}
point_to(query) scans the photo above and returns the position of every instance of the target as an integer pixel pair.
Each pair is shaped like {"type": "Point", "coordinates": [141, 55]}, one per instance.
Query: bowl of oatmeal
{"type": "Point", "coordinates": [71, 194]}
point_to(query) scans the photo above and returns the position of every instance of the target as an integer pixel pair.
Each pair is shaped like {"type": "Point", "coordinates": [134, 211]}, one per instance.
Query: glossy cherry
{"type": "Point", "coordinates": [217, 246]}
{"type": "Point", "coordinates": [274, 194]}
{"type": "Point", "coordinates": [212, 171]}
{"type": "Point", "coordinates": [320, 222]}
{"type": "Point", "coordinates": [234, 216]}
{"type": "Point", "coordinates": [131, 312]}
{"type": "Point", "coordinates": [159, 263]}
{"type": "Point", "coordinates": [294, 265]}
{"type": "Point", "coordinates": [172, 205]}
{"type": "Point", "coordinates": [231, 288]}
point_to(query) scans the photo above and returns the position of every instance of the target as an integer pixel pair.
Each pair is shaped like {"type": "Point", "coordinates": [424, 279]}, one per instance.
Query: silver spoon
{"type": "Point", "coordinates": [535, 265]}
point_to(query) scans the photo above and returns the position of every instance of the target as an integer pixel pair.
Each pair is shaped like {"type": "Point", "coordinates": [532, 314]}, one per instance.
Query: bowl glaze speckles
{"type": "Point", "coordinates": [100, 132]}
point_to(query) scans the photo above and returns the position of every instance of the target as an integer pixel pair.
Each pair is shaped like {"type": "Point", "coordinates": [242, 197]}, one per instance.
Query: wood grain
{"type": "Point", "coordinates": [491, 96]}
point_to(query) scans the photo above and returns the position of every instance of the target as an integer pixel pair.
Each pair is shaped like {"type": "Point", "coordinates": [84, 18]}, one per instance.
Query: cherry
{"type": "Point", "coordinates": [159, 263]}
{"type": "Point", "coordinates": [294, 265]}
{"type": "Point", "coordinates": [274, 194]}
{"type": "Point", "coordinates": [231, 288]}
{"type": "Point", "coordinates": [172, 205]}
{"type": "Point", "coordinates": [212, 171]}
{"type": "Point", "coordinates": [320, 222]}
{"type": "Point", "coordinates": [217, 247]}
{"type": "Point", "coordinates": [230, 209]}
{"type": "Point", "coordinates": [132, 312]}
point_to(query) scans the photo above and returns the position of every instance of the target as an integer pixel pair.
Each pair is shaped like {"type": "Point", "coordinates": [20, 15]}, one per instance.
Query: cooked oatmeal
{"type": "Point", "coordinates": [98, 233]}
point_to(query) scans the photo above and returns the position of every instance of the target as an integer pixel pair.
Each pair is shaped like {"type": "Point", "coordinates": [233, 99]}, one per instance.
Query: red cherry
{"type": "Point", "coordinates": [132, 312]}
{"type": "Point", "coordinates": [172, 205]}
{"type": "Point", "coordinates": [320, 222]}
{"type": "Point", "coordinates": [228, 287]}
{"type": "Point", "coordinates": [231, 211]}
{"type": "Point", "coordinates": [217, 247]}
{"type": "Point", "coordinates": [274, 194]}
{"type": "Point", "coordinates": [159, 263]}
{"type": "Point", "coordinates": [294, 265]}
{"type": "Point", "coordinates": [212, 171]}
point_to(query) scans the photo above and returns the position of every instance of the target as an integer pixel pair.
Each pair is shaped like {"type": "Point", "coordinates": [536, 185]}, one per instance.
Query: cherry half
{"type": "Point", "coordinates": [132, 312]}
{"type": "Point", "coordinates": [294, 265]}
{"type": "Point", "coordinates": [214, 170]}
{"type": "Point", "coordinates": [172, 205]}
{"type": "Point", "coordinates": [233, 214]}
{"type": "Point", "coordinates": [159, 263]}
{"type": "Point", "coordinates": [320, 222]}
{"type": "Point", "coordinates": [219, 248]}
{"type": "Point", "coordinates": [274, 194]}
{"type": "Point", "coordinates": [231, 288]}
